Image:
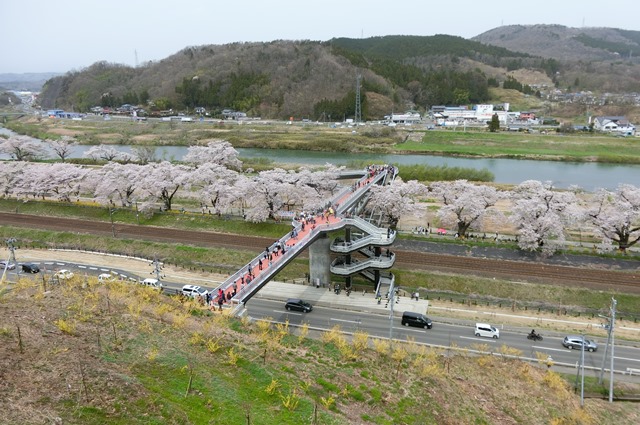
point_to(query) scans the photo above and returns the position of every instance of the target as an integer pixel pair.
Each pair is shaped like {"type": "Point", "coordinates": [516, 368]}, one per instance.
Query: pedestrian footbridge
{"type": "Point", "coordinates": [360, 251]}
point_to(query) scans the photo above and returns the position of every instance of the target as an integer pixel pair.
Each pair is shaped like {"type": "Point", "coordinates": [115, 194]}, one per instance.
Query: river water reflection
{"type": "Point", "coordinates": [588, 176]}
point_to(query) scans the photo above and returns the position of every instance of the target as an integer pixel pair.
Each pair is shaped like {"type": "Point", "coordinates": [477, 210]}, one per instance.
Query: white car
{"type": "Point", "coordinates": [486, 330]}
{"type": "Point", "coordinates": [106, 277]}
{"type": "Point", "coordinates": [7, 265]}
{"type": "Point", "coordinates": [194, 291]}
{"type": "Point", "coordinates": [63, 274]}
{"type": "Point", "coordinates": [154, 283]}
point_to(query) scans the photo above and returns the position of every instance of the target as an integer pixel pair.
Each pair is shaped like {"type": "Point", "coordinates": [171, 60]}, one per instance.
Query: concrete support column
{"type": "Point", "coordinates": [320, 261]}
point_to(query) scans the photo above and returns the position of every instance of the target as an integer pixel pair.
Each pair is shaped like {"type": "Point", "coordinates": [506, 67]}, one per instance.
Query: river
{"type": "Point", "coordinates": [589, 176]}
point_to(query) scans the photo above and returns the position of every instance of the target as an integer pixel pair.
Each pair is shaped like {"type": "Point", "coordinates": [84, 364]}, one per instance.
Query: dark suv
{"type": "Point", "coordinates": [30, 268]}
{"type": "Point", "coordinates": [298, 305]}
{"type": "Point", "coordinates": [575, 342]}
{"type": "Point", "coordinates": [409, 318]}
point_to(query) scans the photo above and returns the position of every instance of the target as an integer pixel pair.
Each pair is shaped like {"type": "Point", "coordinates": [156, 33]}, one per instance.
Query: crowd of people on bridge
{"type": "Point", "coordinates": [304, 224]}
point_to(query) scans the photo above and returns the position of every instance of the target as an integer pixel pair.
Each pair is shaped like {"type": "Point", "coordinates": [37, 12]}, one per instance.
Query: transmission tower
{"type": "Point", "coordinates": [358, 117]}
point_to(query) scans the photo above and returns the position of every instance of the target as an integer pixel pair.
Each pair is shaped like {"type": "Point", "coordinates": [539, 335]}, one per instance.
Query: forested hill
{"type": "Point", "coordinates": [316, 80]}
{"type": "Point", "coordinates": [598, 59]}
{"type": "Point", "coordinates": [285, 78]}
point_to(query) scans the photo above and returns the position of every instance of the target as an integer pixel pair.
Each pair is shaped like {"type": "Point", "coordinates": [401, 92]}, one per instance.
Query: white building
{"type": "Point", "coordinates": [614, 125]}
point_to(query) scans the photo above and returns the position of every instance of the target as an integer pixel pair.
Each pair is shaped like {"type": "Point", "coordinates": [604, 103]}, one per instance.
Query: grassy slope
{"type": "Point", "coordinates": [122, 354]}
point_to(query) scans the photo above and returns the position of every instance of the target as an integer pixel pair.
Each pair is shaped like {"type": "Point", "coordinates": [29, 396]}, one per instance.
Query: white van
{"type": "Point", "coordinates": [154, 283]}
{"type": "Point", "coordinates": [486, 330]}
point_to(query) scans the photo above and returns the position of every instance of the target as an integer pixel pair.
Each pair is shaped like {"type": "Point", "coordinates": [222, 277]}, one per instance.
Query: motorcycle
{"type": "Point", "coordinates": [534, 337]}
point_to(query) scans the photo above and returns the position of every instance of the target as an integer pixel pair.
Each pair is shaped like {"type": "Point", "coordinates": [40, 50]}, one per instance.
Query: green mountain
{"type": "Point", "coordinates": [317, 80]}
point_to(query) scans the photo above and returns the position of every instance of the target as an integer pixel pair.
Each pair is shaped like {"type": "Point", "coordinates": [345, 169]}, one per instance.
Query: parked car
{"type": "Point", "coordinates": [30, 268]}
{"type": "Point", "coordinates": [7, 265]}
{"type": "Point", "coordinates": [575, 342]}
{"type": "Point", "coordinates": [297, 304]}
{"type": "Point", "coordinates": [194, 291]}
{"type": "Point", "coordinates": [63, 274]}
{"type": "Point", "coordinates": [410, 318]}
{"type": "Point", "coordinates": [486, 330]}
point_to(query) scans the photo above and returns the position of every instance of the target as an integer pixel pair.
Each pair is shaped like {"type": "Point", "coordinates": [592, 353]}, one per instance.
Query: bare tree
{"type": "Point", "coordinates": [63, 147]}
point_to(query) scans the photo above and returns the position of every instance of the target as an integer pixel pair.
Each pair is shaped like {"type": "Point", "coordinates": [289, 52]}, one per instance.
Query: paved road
{"type": "Point", "coordinates": [360, 311]}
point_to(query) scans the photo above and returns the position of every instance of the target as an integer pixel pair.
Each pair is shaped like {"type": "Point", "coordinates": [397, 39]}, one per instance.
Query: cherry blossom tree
{"type": "Point", "coordinates": [103, 152]}
{"type": "Point", "coordinates": [466, 205]}
{"type": "Point", "coordinates": [267, 193]}
{"type": "Point", "coordinates": [160, 182]}
{"type": "Point", "coordinates": [22, 148]}
{"type": "Point", "coordinates": [396, 199]}
{"type": "Point", "coordinates": [541, 214]}
{"type": "Point", "coordinates": [615, 216]}
{"type": "Point", "coordinates": [11, 174]}
{"type": "Point", "coordinates": [143, 154]}
{"type": "Point", "coordinates": [63, 147]}
{"type": "Point", "coordinates": [116, 182]}
{"type": "Point", "coordinates": [210, 183]}
{"type": "Point", "coordinates": [60, 180]}
{"type": "Point", "coordinates": [218, 152]}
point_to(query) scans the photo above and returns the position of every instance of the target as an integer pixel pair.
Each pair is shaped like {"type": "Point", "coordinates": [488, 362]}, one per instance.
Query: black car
{"type": "Point", "coordinates": [30, 268]}
{"type": "Point", "coordinates": [409, 318]}
{"type": "Point", "coordinates": [298, 305]}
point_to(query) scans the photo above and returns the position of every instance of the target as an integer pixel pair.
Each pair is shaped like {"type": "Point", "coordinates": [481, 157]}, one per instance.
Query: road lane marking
{"type": "Point", "coordinates": [288, 312]}
{"type": "Point", "coordinates": [480, 339]}
{"type": "Point", "coordinates": [625, 358]}
{"type": "Point", "coordinates": [562, 350]}
{"type": "Point", "coordinates": [346, 321]}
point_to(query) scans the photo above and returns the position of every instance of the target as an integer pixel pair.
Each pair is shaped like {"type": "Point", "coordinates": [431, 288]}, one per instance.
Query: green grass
{"type": "Point", "coordinates": [583, 147]}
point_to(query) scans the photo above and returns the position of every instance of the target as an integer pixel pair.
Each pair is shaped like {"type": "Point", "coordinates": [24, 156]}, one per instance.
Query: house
{"type": "Point", "coordinates": [526, 116]}
{"type": "Point", "coordinates": [614, 124]}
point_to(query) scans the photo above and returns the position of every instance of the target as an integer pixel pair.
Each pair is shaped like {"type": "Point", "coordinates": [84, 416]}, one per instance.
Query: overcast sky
{"type": "Point", "coordinates": [59, 36]}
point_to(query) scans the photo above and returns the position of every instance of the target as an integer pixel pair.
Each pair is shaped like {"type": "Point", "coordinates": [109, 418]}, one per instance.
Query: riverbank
{"type": "Point", "coordinates": [374, 138]}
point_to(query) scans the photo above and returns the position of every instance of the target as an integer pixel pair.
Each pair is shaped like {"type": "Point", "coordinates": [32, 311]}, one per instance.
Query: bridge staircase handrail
{"type": "Point", "coordinates": [380, 239]}
{"type": "Point", "coordinates": [382, 262]}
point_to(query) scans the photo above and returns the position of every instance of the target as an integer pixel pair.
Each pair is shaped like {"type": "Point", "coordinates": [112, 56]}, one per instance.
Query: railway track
{"type": "Point", "coordinates": [597, 279]}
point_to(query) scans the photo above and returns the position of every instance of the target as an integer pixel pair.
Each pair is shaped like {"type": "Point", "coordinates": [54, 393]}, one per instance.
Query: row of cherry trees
{"type": "Point", "coordinates": [541, 215]}
{"type": "Point", "coordinates": [212, 176]}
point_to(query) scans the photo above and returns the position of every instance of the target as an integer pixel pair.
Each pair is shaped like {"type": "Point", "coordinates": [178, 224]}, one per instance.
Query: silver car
{"type": "Point", "coordinates": [575, 342]}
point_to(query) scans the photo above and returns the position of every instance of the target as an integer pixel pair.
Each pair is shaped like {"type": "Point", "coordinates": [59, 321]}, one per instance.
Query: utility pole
{"type": "Point", "coordinates": [611, 325]}
{"type": "Point", "coordinates": [610, 342]}
{"type": "Point", "coordinates": [113, 226]}
{"type": "Point", "coordinates": [582, 373]}
{"type": "Point", "coordinates": [12, 257]}
{"type": "Point", "coordinates": [391, 300]}
{"type": "Point", "coordinates": [358, 117]}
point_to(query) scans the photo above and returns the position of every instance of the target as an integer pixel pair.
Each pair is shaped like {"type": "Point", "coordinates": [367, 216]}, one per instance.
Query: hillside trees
{"type": "Point", "coordinates": [466, 206]}
{"type": "Point", "coordinates": [615, 216]}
